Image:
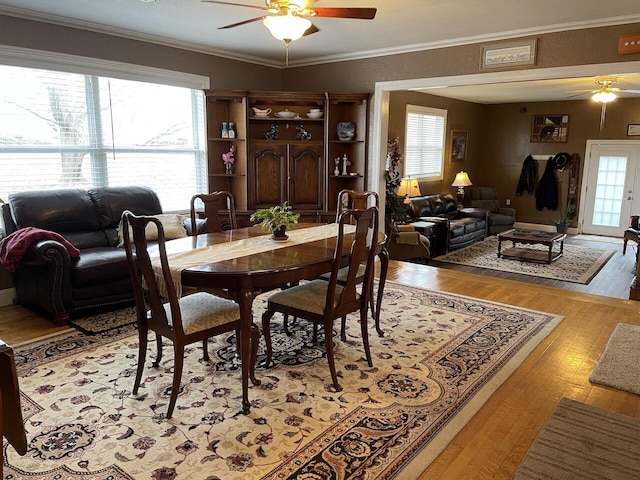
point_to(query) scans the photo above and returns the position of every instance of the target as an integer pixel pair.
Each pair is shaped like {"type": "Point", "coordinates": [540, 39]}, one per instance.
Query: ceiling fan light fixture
{"type": "Point", "coordinates": [286, 27]}
{"type": "Point", "coordinates": [604, 96]}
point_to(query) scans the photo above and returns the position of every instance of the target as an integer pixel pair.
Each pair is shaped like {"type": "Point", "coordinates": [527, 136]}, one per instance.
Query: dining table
{"type": "Point", "coordinates": [245, 262]}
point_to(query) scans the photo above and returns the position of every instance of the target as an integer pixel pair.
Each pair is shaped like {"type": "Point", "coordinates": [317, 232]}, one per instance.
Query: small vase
{"type": "Point", "coordinates": [227, 167]}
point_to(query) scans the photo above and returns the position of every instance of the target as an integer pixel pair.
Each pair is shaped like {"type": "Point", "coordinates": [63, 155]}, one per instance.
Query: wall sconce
{"type": "Point", "coordinates": [462, 180]}
{"type": "Point", "coordinates": [409, 188]}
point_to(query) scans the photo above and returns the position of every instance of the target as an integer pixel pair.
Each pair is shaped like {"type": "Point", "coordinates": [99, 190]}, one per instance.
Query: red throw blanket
{"type": "Point", "coordinates": [14, 246]}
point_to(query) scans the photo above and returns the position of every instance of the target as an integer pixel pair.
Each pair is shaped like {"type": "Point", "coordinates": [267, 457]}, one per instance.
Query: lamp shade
{"type": "Point", "coordinates": [604, 96]}
{"type": "Point", "coordinates": [286, 27]}
{"type": "Point", "coordinates": [461, 180]}
{"type": "Point", "coordinates": [409, 188]}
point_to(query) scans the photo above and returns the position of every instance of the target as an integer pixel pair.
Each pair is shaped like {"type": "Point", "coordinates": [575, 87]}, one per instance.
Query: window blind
{"type": "Point", "coordinates": [61, 129]}
{"type": "Point", "coordinates": [424, 143]}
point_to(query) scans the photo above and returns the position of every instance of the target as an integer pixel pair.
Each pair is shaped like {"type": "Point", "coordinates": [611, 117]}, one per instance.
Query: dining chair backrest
{"type": "Point", "coordinates": [148, 294]}
{"type": "Point", "coordinates": [354, 199]}
{"type": "Point", "coordinates": [361, 252]}
{"type": "Point", "coordinates": [214, 203]}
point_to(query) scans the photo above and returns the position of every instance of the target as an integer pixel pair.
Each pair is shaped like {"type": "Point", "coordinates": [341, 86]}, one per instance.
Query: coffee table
{"type": "Point", "coordinates": [531, 237]}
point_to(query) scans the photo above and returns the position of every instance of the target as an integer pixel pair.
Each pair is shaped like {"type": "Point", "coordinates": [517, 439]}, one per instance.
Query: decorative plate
{"type": "Point", "coordinates": [346, 130]}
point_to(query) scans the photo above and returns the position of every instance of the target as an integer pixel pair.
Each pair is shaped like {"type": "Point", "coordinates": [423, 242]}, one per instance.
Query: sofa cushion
{"type": "Point", "coordinates": [112, 201]}
{"type": "Point", "coordinates": [99, 266]}
{"type": "Point", "coordinates": [172, 224]}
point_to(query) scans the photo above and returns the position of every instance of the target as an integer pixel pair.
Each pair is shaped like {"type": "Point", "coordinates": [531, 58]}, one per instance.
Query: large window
{"type": "Point", "coordinates": [60, 130]}
{"type": "Point", "coordinates": [424, 143]}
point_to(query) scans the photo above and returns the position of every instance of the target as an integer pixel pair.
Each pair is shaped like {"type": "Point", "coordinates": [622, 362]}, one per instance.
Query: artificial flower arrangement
{"type": "Point", "coordinates": [228, 158]}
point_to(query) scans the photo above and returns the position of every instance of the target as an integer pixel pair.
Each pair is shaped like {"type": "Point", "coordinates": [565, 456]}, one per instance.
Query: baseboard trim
{"type": "Point", "coordinates": [7, 296]}
{"type": "Point", "coordinates": [542, 228]}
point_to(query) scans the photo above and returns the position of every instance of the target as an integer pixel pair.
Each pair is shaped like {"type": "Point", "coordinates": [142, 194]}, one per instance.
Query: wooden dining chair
{"type": "Point", "coordinates": [214, 204]}
{"type": "Point", "coordinates": [353, 199]}
{"type": "Point", "coordinates": [320, 301]}
{"type": "Point", "coordinates": [185, 320]}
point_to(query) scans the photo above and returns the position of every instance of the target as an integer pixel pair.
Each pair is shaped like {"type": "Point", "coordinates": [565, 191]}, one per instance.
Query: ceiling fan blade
{"type": "Point", "coordinates": [310, 30]}
{"type": "Point", "coordinates": [578, 94]}
{"type": "Point", "coordinates": [362, 13]}
{"type": "Point", "coordinates": [625, 90]}
{"type": "Point", "coordinates": [233, 4]}
{"type": "Point", "coordinates": [244, 22]}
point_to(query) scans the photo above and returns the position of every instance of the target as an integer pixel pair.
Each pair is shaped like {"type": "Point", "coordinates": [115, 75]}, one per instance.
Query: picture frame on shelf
{"type": "Point", "coordinates": [509, 54]}
{"type": "Point", "coordinates": [458, 146]}
{"type": "Point", "coordinates": [549, 128]}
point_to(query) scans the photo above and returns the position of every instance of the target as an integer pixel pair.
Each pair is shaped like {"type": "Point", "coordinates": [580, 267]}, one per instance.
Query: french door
{"type": "Point", "coordinates": [611, 186]}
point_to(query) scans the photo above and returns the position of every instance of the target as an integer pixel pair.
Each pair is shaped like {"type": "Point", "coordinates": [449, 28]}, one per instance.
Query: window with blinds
{"type": "Point", "coordinates": [424, 143]}
{"type": "Point", "coordinates": [68, 130]}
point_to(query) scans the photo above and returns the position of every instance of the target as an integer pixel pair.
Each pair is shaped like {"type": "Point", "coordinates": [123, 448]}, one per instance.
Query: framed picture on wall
{"type": "Point", "coordinates": [458, 146]}
{"type": "Point", "coordinates": [549, 128]}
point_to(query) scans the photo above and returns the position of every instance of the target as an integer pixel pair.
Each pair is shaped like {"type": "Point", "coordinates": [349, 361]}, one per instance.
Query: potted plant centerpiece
{"type": "Point", "coordinates": [564, 217]}
{"type": "Point", "coordinates": [277, 218]}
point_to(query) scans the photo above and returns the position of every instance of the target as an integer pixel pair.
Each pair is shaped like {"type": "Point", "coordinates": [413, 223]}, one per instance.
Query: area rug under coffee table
{"type": "Point", "coordinates": [441, 358]}
{"type": "Point", "coordinates": [578, 264]}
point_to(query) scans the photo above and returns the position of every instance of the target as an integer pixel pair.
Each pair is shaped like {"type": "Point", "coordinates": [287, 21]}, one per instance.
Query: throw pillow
{"type": "Point", "coordinates": [172, 223]}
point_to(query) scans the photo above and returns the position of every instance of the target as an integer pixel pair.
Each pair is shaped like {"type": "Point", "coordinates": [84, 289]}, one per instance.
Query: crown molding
{"type": "Point", "coordinates": [323, 59]}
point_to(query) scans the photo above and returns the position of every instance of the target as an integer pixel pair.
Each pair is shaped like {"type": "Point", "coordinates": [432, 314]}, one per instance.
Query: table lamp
{"type": "Point", "coordinates": [409, 188]}
{"type": "Point", "coordinates": [461, 181]}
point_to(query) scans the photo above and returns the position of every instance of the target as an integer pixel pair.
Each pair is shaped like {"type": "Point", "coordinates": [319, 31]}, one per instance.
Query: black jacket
{"type": "Point", "coordinates": [547, 192]}
{"type": "Point", "coordinates": [527, 176]}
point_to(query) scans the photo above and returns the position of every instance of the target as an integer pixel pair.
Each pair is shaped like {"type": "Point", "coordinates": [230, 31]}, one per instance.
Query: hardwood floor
{"type": "Point", "coordinates": [494, 442]}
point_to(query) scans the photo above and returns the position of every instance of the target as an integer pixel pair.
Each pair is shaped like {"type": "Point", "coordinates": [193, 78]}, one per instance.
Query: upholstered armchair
{"type": "Point", "coordinates": [407, 244]}
{"type": "Point", "coordinates": [500, 218]}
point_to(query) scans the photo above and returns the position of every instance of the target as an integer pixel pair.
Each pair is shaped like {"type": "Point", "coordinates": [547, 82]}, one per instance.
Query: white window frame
{"type": "Point", "coordinates": [437, 144]}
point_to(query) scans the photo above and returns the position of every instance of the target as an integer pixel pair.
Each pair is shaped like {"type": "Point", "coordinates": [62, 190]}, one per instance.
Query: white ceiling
{"type": "Point", "coordinates": [399, 26]}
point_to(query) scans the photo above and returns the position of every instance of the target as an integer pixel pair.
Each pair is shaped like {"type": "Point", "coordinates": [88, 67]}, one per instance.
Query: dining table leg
{"type": "Point", "coordinates": [245, 301]}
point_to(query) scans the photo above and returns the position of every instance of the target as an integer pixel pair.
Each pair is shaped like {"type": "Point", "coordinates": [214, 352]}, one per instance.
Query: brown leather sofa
{"type": "Point", "coordinates": [455, 227]}
{"type": "Point", "coordinates": [47, 278]}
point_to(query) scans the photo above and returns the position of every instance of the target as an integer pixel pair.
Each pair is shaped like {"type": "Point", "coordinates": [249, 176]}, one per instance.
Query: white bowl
{"type": "Point", "coordinates": [315, 114]}
{"type": "Point", "coordinates": [286, 114]}
{"type": "Point", "coordinates": [261, 114]}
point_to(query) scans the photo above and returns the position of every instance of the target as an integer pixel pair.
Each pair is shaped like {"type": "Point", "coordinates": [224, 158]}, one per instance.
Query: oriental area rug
{"type": "Point", "coordinates": [578, 264]}
{"type": "Point", "coordinates": [440, 359]}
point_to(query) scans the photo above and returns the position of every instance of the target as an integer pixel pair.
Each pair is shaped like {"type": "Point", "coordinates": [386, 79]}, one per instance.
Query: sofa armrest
{"type": "Point", "coordinates": [43, 279]}
{"type": "Point", "coordinates": [510, 212]}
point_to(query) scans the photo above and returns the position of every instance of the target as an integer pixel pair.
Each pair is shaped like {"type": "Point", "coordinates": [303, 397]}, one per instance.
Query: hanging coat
{"type": "Point", "coordinates": [547, 192]}
{"type": "Point", "coordinates": [527, 176]}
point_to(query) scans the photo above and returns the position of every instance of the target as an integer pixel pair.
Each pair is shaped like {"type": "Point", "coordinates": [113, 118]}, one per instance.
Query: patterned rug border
{"type": "Point", "coordinates": [411, 462]}
{"type": "Point", "coordinates": [490, 248]}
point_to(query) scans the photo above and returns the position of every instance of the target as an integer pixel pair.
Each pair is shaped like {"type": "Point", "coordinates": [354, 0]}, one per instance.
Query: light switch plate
{"type": "Point", "coordinates": [629, 43]}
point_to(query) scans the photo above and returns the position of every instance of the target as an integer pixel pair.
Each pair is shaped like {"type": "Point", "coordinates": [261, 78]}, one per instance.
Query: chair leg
{"type": "Point", "coordinates": [328, 339]}
{"type": "Point", "coordinates": [343, 329]}
{"type": "Point", "coordinates": [143, 335]}
{"type": "Point", "coordinates": [158, 350]}
{"type": "Point", "coordinates": [624, 245]}
{"type": "Point", "coordinates": [266, 331]}
{"type": "Point", "coordinates": [286, 326]}
{"type": "Point", "coordinates": [255, 340]}
{"type": "Point", "coordinates": [365, 334]}
{"type": "Point", "coordinates": [178, 362]}
{"type": "Point", "coordinates": [205, 350]}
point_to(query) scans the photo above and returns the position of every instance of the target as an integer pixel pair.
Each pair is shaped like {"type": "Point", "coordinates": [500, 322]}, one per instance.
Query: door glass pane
{"type": "Point", "coordinates": [609, 191]}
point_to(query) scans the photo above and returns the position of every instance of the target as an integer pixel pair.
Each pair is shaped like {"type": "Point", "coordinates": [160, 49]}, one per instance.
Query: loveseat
{"type": "Point", "coordinates": [48, 278]}
{"type": "Point", "coordinates": [455, 227]}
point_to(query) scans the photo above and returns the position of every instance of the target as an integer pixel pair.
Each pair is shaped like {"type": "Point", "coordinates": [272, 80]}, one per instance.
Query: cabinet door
{"type": "Point", "coordinates": [267, 176]}
{"type": "Point", "coordinates": [306, 186]}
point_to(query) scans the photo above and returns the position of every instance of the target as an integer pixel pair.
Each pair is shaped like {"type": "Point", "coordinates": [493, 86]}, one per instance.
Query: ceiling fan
{"type": "Point", "coordinates": [605, 93]}
{"type": "Point", "coordinates": [287, 19]}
